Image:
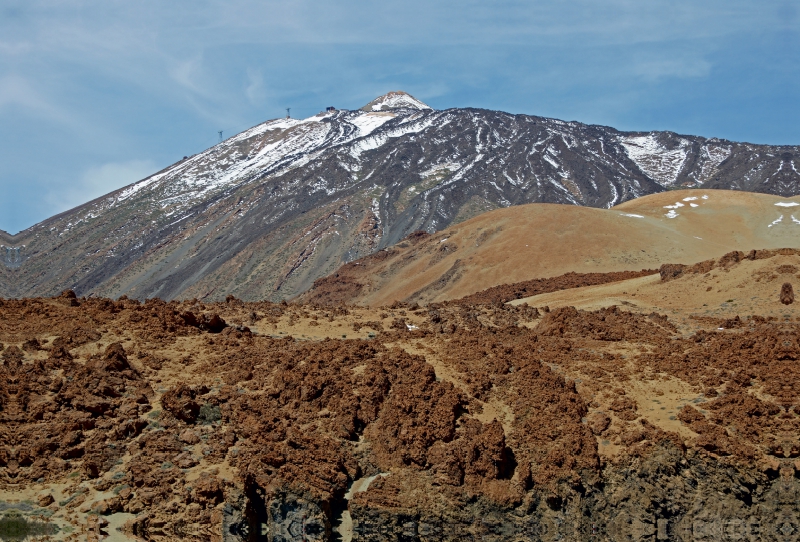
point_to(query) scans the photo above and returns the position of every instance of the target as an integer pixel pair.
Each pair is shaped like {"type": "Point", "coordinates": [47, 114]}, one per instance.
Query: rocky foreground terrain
{"type": "Point", "coordinates": [461, 420]}
{"type": "Point", "coordinates": [268, 211]}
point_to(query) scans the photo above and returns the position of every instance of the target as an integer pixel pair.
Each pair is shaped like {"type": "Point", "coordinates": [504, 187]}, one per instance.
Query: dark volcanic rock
{"type": "Point", "coordinates": [787, 294]}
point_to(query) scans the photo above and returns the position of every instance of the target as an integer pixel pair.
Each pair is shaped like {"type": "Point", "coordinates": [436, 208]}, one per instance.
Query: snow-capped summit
{"type": "Point", "coordinates": [397, 99]}
{"type": "Point", "coordinates": [266, 212]}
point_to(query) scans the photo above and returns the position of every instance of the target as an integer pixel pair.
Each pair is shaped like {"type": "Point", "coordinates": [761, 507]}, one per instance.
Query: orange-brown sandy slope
{"type": "Point", "coordinates": [713, 291]}
{"type": "Point", "coordinates": [541, 240]}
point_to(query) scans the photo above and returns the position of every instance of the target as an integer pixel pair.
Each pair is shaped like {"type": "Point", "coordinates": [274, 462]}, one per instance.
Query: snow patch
{"type": "Point", "coordinates": [631, 215]}
{"type": "Point", "coordinates": [550, 161]}
{"type": "Point", "coordinates": [654, 159]}
{"type": "Point", "coordinates": [714, 156]}
{"type": "Point", "coordinates": [369, 122]}
{"type": "Point", "coordinates": [775, 221]}
{"type": "Point", "coordinates": [440, 168]}
{"type": "Point", "coordinates": [376, 140]}
{"type": "Point", "coordinates": [671, 214]}
{"type": "Point", "coordinates": [787, 204]}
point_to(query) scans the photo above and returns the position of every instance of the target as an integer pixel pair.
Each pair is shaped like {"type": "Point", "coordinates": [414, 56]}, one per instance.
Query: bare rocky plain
{"type": "Point", "coordinates": [666, 411]}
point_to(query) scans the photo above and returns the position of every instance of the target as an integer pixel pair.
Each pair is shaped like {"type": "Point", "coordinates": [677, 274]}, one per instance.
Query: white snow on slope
{"type": "Point", "coordinates": [787, 204]}
{"type": "Point", "coordinates": [552, 162]}
{"type": "Point", "coordinates": [284, 143]}
{"type": "Point", "coordinates": [397, 100]}
{"type": "Point", "coordinates": [714, 155]}
{"type": "Point", "coordinates": [655, 160]}
{"type": "Point", "coordinates": [265, 150]}
{"type": "Point", "coordinates": [368, 122]}
{"type": "Point", "coordinates": [373, 141]}
{"type": "Point", "coordinates": [224, 164]}
{"type": "Point", "coordinates": [448, 167]}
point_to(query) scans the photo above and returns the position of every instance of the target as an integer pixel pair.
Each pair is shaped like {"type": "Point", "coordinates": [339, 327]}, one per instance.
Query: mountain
{"type": "Point", "coordinates": [537, 241]}
{"type": "Point", "coordinates": [265, 213]}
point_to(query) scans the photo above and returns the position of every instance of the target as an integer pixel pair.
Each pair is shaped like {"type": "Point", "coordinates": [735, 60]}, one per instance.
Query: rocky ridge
{"type": "Point", "coordinates": [268, 211]}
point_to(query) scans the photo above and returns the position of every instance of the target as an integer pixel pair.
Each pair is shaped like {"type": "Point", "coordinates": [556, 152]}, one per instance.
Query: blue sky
{"type": "Point", "coordinates": [97, 94]}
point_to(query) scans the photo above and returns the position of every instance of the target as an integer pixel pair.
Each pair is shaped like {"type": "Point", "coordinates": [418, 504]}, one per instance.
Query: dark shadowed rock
{"type": "Point", "coordinates": [180, 402]}
{"type": "Point", "coordinates": [669, 271]}
{"type": "Point", "coordinates": [787, 294]}
{"type": "Point", "coordinates": [114, 358]}
{"type": "Point", "coordinates": [213, 323]}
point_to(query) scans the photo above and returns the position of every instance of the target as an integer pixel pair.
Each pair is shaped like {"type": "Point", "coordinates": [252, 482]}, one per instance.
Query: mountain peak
{"type": "Point", "coordinates": [396, 99]}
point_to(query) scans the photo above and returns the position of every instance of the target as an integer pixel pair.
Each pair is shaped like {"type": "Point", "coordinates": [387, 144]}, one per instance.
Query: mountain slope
{"type": "Point", "coordinates": [537, 241]}
{"type": "Point", "coordinates": [266, 212]}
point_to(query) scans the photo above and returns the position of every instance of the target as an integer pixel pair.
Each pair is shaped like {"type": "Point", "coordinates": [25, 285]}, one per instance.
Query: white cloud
{"type": "Point", "coordinates": [97, 181]}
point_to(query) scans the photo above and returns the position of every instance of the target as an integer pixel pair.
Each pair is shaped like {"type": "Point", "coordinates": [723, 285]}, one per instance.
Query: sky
{"type": "Point", "coordinates": [95, 95]}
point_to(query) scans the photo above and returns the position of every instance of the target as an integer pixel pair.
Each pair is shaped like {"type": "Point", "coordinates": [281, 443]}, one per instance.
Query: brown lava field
{"type": "Point", "coordinates": [469, 419]}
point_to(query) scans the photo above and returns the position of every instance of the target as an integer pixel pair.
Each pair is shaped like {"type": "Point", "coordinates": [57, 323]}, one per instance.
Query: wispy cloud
{"type": "Point", "coordinates": [659, 68]}
{"type": "Point", "coordinates": [254, 86]}
{"type": "Point", "coordinates": [96, 181]}
{"type": "Point", "coordinates": [17, 91]}
{"type": "Point", "coordinates": [189, 75]}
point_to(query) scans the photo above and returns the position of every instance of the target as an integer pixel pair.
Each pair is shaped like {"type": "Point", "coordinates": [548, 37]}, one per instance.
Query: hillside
{"type": "Point", "coordinates": [540, 240]}
{"type": "Point", "coordinates": [738, 283]}
{"type": "Point", "coordinates": [265, 213]}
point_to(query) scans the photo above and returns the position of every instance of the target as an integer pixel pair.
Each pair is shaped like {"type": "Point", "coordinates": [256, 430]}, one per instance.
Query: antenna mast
{"type": "Point", "coordinates": [288, 109]}
{"type": "Point", "coordinates": [220, 136]}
